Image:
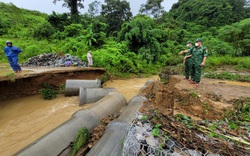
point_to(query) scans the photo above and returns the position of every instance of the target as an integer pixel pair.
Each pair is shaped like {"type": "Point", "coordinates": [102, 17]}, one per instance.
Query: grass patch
{"type": "Point", "coordinates": [5, 69]}
{"type": "Point", "coordinates": [82, 138]}
{"type": "Point", "coordinates": [11, 76]}
{"type": "Point", "coordinates": [227, 76]}
{"type": "Point", "coordinates": [240, 63]}
{"type": "Point", "coordinates": [240, 115]}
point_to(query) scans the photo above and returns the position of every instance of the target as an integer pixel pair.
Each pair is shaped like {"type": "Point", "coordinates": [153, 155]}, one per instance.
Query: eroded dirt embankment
{"type": "Point", "coordinates": [29, 83]}
{"type": "Point", "coordinates": [211, 100]}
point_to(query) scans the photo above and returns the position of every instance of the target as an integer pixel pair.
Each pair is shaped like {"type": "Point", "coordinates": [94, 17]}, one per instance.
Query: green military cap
{"type": "Point", "coordinates": [189, 41]}
{"type": "Point", "coordinates": [198, 39]}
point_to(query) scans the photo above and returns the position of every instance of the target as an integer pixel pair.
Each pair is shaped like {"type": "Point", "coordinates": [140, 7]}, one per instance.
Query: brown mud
{"type": "Point", "coordinates": [210, 100]}
{"type": "Point", "coordinates": [171, 105]}
{"type": "Point", "coordinates": [31, 79]}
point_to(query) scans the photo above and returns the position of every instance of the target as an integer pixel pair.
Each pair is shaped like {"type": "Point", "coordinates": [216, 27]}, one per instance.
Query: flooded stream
{"type": "Point", "coordinates": [24, 120]}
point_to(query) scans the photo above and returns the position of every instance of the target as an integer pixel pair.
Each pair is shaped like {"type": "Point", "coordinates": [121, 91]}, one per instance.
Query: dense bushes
{"type": "Point", "coordinates": [143, 44]}
{"type": "Point", "coordinates": [48, 91]}
{"type": "Point", "coordinates": [238, 62]}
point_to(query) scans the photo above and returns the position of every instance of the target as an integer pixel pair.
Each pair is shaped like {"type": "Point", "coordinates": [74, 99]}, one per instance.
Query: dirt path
{"type": "Point", "coordinates": [210, 100]}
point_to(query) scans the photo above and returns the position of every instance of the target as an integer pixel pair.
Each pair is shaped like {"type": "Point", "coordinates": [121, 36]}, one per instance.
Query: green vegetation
{"type": "Point", "coordinates": [61, 89]}
{"type": "Point", "coordinates": [194, 94]}
{"type": "Point", "coordinates": [228, 76]}
{"type": "Point", "coordinates": [82, 137]}
{"type": "Point", "coordinates": [144, 117]}
{"type": "Point", "coordinates": [48, 91]}
{"type": "Point", "coordinates": [11, 76]}
{"type": "Point", "coordinates": [240, 63]}
{"type": "Point", "coordinates": [156, 130]}
{"type": "Point", "coordinates": [124, 44]}
{"type": "Point", "coordinates": [185, 120]}
{"type": "Point", "coordinates": [240, 115]}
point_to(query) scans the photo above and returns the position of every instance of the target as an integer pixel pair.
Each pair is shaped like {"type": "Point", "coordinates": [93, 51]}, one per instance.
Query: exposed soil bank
{"type": "Point", "coordinates": [211, 100]}
{"type": "Point", "coordinates": [30, 81]}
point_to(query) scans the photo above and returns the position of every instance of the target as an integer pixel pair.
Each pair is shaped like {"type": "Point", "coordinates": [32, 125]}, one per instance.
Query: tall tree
{"type": "Point", "coordinates": [237, 34]}
{"type": "Point", "coordinates": [143, 38]}
{"type": "Point", "coordinates": [152, 7]}
{"type": "Point", "coordinates": [239, 9]}
{"type": "Point", "coordinates": [210, 13]}
{"type": "Point", "coordinates": [58, 21]}
{"type": "Point", "coordinates": [94, 8]}
{"type": "Point", "coordinates": [72, 5]}
{"type": "Point", "coordinates": [115, 13]}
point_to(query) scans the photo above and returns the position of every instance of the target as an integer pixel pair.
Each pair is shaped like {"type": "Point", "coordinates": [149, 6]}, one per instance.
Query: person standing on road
{"type": "Point", "coordinates": [12, 55]}
{"type": "Point", "coordinates": [199, 55]}
{"type": "Point", "coordinates": [187, 63]}
{"type": "Point", "coordinates": [90, 59]}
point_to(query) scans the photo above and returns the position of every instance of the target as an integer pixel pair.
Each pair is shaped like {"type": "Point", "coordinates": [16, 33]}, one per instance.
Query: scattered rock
{"type": "Point", "coordinates": [54, 60]}
{"type": "Point", "coordinates": [152, 141]}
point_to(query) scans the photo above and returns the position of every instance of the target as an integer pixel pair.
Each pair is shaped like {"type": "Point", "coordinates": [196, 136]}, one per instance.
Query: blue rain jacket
{"type": "Point", "coordinates": [12, 51]}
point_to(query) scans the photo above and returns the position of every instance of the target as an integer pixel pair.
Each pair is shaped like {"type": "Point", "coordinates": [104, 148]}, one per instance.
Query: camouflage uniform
{"type": "Point", "coordinates": [188, 64]}
{"type": "Point", "coordinates": [197, 58]}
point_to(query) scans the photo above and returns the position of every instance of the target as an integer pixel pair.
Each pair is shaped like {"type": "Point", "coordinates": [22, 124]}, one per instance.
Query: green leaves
{"type": "Point", "coordinates": [210, 13]}
{"type": "Point", "coordinates": [44, 31]}
{"type": "Point", "coordinates": [82, 137]}
{"type": "Point", "coordinates": [73, 30]}
{"type": "Point", "coordinates": [156, 130]}
{"type": "Point", "coordinates": [233, 126]}
{"type": "Point", "coordinates": [143, 38]}
{"type": "Point", "coordinates": [185, 120]}
{"type": "Point", "coordinates": [48, 91]}
{"type": "Point", "coordinates": [145, 117]}
{"type": "Point", "coordinates": [238, 35]}
{"type": "Point", "coordinates": [115, 13]}
{"type": "Point", "coordinates": [152, 7]}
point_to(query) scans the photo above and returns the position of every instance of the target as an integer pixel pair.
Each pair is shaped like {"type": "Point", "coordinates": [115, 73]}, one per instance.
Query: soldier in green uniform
{"type": "Point", "coordinates": [199, 55]}
{"type": "Point", "coordinates": [187, 63]}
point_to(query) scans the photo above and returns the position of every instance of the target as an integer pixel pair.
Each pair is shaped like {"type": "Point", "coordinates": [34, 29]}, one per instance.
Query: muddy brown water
{"type": "Point", "coordinates": [24, 120]}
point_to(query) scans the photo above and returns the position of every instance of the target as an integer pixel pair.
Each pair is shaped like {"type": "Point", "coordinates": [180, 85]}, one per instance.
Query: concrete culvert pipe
{"type": "Point", "coordinates": [89, 95]}
{"type": "Point", "coordinates": [72, 86]}
{"type": "Point", "coordinates": [147, 83]}
{"type": "Point", "coordinates": [111, 142]}
{"type": "Point", "coordinates": [58, 139]}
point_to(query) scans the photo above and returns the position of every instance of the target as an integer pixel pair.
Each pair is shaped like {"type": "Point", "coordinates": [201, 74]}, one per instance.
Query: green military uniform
{"type": "Point", "coordinates": [188, 64]}
{"type": "Point", "coordinates": [197, 58]}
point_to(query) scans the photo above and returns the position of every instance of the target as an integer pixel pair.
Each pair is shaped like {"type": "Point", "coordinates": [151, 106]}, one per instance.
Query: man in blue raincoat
{"type": "Point", "coordinates": [12, 55]}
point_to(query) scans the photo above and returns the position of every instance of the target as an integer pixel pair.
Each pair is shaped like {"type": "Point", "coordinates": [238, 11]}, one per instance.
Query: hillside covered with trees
{"type": "Point", "coordinates": [139, 44]}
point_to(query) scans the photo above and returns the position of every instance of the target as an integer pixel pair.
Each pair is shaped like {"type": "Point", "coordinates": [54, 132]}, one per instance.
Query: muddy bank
{"type": "Point", "coordinates": [23, 120]}
{"type": "Point", "coordinates": [29, 82]}
{"type": "Point", "coordinates": [211, 100]}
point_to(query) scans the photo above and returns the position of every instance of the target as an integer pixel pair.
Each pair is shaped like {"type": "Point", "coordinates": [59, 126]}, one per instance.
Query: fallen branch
{"type": "Point", "coordinates": [230, 137]}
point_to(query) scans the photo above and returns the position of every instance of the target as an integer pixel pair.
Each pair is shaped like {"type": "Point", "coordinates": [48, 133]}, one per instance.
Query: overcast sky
{"type": "Point", "coordinates": [47, 6]}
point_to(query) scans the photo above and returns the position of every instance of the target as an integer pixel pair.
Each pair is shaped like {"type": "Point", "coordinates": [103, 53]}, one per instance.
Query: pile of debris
{"type": "Point", "coordinates": [157, 134]}
{"type": "Point", "coordinates": [54, 60]}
